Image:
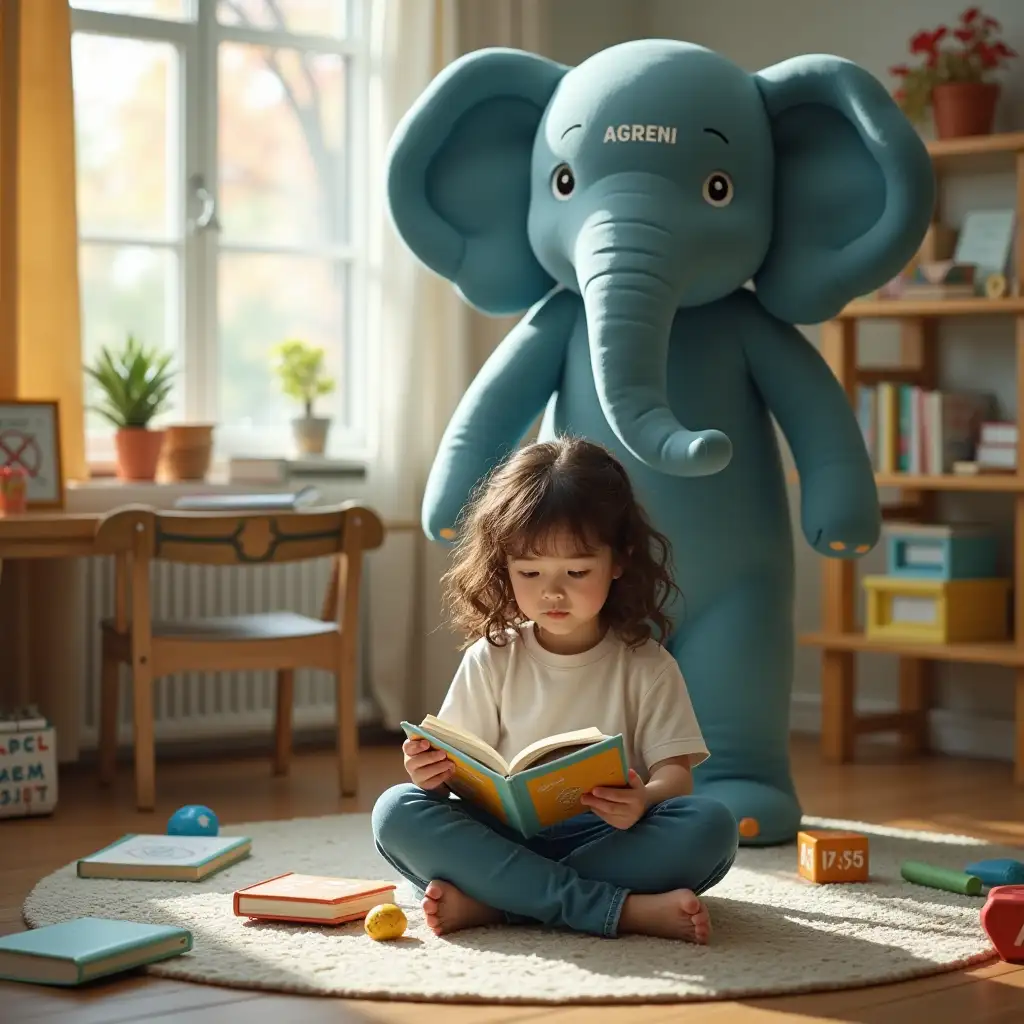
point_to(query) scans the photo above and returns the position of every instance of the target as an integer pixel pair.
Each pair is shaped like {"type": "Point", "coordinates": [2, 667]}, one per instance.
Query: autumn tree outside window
{"type": "Point", "coordinates": [219, 201]}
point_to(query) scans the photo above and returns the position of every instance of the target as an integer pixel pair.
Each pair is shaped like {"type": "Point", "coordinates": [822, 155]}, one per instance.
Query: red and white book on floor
{"type": "Point", "coordinates": [311, 899]}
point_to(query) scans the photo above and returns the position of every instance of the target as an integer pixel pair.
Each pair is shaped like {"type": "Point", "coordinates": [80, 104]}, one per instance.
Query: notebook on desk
{"type": "Point", "coordinates": [285, 501]}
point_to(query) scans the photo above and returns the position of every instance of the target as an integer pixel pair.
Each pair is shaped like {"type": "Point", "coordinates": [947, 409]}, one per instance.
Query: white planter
{"type": "Point", "coordinates": [310, 433]}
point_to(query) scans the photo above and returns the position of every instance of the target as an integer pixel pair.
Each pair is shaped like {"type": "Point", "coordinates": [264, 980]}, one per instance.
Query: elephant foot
{"type": "Point", "coordinates": [766, 816]}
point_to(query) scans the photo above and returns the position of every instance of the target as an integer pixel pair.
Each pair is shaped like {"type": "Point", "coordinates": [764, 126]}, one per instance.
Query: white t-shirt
{"type": "Point", "coordinates": [513, 695]}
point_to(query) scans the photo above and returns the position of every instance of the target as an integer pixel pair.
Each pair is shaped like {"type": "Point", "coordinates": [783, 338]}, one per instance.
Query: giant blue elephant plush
{"type": "Point", "coordinates": [664, 218]}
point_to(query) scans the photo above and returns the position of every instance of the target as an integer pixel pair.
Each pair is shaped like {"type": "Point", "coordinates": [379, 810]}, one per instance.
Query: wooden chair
{"type": "Point", "coordinates": [284, 641]}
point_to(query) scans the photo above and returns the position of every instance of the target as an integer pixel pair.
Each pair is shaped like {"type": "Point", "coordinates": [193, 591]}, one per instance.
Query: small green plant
{"type": "Point", "coordinates": [300, 368]}
{"type": "Point", "coordinates": [135, 383]}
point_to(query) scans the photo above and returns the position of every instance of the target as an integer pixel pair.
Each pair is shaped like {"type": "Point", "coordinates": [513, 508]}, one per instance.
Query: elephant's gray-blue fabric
{"type": "Point", "coordinates": [664, 219]}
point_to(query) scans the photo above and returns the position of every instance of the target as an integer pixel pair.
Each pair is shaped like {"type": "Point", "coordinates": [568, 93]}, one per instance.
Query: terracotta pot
{"type": "Point", "coordinates": [186, 453]}
{"type": "Point", "coordinates": [964, 108]}
{"type": "Point", "coordinates": [138, 452]}
{"type": "Point", "coordinates": [310, 434]}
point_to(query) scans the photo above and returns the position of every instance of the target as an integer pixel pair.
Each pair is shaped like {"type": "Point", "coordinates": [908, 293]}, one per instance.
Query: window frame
{"type": "Point", "coordinates": [196, 333]}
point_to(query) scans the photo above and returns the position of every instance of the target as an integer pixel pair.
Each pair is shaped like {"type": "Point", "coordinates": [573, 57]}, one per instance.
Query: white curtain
{"type": "Point", "coordinates": [426, 345]}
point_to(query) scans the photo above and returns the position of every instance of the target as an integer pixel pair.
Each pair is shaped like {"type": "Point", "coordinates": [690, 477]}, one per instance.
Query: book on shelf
{"type": "Point", "coordinates": [285, 501]}
{"type": "Point", "coordinates": [84, 948]}
{"type": "Point", "coordinates": [542, 784]}
{"type": "Point", "coordinates": [937, 291]}
{"type": "Point", "coordinates": [910, 429]}
{"type": "Point", "coordinates": [311, 899]}
{"type": "Point", "coordinates": [258, 469]}
{"type": "Point", "coordinates": [998, 432]}
{"type": "Point", "coordinates": [997, 457]}
{"type": "Point", "coordinates": [997, 448]}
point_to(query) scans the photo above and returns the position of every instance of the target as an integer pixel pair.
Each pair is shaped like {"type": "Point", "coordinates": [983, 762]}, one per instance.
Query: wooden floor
{"type": "Point", "coordinates": [974, 798]}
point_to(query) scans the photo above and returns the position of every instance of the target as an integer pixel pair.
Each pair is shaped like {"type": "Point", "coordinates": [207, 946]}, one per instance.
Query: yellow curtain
{"type": "Point", "coordinates": [40, 334]}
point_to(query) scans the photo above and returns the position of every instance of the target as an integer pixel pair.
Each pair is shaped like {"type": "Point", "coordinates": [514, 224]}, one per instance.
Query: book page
{"type": "Point", "coordinates": [466, 742]}
{"type": "Point", "coordinates": [551, 747]}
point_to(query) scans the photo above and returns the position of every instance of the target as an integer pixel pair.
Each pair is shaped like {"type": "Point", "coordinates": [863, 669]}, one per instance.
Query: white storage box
{"type": "Point", "coordinates": [28, 764]}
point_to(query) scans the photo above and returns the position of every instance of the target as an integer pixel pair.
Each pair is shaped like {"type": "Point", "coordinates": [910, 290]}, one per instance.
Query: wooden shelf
{"type": "Point", "coordinates": [1006, 653]}
{"type": "Point", "coordinates": [1002, 482]}
{"type": "Point", "coordinates": [976, 145]}
{"type": "Point", "coordinates": [997, 483]}
{"type": "Point", "coordinates": [918, 500]}
{"type": "Point", "coordinates": [885, 309]}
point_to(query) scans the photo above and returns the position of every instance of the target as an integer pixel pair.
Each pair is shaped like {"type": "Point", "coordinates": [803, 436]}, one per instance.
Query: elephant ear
{"type": "Point", "coordinates": [458, 176]}
{"type": "Point", "coordinates": [854, 187]}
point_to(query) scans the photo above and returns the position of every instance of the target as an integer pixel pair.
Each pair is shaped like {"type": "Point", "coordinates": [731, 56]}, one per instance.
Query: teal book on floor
{"type": "Point", "coordinates": [80, 950]}
{"type": "Point", "coordinates": [163, 858]}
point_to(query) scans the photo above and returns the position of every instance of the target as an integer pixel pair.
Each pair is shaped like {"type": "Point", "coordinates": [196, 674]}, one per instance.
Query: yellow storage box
{"type": "Point", "coordinates": [936, 610]}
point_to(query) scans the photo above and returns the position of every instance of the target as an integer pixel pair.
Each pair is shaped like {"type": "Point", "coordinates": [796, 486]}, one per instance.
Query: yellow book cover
{"type": "Point", "coordinates": [540, 785]}
{"type": "Point", "coordinates": [888, 435]}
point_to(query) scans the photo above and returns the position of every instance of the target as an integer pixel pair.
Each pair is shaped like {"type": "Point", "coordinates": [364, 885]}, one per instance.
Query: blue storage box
{"type": "Point", "coordinates": [941, 551]}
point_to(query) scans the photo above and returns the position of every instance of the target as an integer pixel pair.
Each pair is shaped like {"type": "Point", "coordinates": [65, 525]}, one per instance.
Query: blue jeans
{"type": "Point", "coordinates": [575, 875]}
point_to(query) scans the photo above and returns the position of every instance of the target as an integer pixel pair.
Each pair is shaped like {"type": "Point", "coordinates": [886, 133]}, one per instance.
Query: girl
{"type": "Point", "coordinates": [558, 579]}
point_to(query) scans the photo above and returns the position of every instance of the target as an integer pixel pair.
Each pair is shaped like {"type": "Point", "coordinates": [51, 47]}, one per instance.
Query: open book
{"type": "Point", "coordinates": [540, 785]}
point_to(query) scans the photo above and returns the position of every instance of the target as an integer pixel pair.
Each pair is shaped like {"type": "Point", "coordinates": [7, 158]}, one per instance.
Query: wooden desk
{"type": "Point", "coordinates": [48, 535]}
{"type": "Point", "coordinates": [41, 625]}
{"type": "Point", "coordinates": [72, 535]}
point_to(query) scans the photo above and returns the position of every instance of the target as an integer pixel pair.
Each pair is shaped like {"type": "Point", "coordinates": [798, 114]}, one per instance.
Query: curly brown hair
{"type": "Point", "coordinates": [567, 484]}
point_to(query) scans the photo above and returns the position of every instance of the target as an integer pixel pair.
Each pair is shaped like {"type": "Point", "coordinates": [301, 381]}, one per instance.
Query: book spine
{"type": "Point", "coordinates": [526, 820]}
{"type": "Point", "coordinates": [145, 958]}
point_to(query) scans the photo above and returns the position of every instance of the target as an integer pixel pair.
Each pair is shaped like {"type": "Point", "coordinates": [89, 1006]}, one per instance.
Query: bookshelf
{"type": "Point", "coordinates": [839, 639]}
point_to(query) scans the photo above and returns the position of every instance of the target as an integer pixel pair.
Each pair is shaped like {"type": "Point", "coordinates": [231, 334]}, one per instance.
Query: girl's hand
{"type": "Point", "coordinates": [620, 806]}
{"type": "Point", "coordinates": [428, 768]}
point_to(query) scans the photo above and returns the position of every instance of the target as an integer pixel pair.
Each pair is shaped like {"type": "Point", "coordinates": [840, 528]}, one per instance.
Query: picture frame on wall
{"type": "Point", "coordinates": [30, 439]}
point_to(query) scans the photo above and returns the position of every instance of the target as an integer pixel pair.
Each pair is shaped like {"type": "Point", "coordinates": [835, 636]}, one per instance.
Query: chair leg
{"type": "Point", "coordinates": [347, 719]}
{"type": "Point", "coordinates": [109, 694]}
{"type": "Point", "coordinates": [145, 746]}
{"type": "Point", "coordinates": [283, 720]}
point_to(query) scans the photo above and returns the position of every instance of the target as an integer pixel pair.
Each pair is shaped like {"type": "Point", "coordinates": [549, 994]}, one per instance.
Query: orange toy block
{"type": "Point", "coordinates": [827, 856]}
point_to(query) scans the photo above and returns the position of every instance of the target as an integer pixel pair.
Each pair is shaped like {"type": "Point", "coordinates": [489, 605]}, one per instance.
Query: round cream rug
{"type": "Point", "coordinates": [773, 932]}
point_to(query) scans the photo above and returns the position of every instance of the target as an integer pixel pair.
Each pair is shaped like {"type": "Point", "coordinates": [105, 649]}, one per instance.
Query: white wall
{"type": "Point", "coordinates": [973, 354]}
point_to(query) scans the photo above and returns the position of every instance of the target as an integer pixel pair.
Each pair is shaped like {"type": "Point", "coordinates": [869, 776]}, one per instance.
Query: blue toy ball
{"type": "Point", "coordinates": [193, 820]}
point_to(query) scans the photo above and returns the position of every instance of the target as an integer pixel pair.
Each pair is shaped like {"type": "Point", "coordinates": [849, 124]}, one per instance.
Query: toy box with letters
{"type": "Point", "coordinates": [28, 764]}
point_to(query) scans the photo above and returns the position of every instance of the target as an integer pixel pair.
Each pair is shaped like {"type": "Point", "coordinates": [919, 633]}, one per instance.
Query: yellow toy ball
{"type": "Point", "coordinates": [385, 921]}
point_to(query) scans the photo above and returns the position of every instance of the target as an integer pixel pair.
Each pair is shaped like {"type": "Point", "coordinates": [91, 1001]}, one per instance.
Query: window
{"type": "Point", "coordinates": [219, 201]}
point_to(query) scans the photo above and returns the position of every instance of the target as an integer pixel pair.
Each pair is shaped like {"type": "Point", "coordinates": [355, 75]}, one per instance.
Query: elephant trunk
{"type": "Point", "coordinates": [630, 280]}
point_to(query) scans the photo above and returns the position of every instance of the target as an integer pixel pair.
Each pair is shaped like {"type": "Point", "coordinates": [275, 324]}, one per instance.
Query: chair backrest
{"type": "Point", "coordinates": [239, 538]}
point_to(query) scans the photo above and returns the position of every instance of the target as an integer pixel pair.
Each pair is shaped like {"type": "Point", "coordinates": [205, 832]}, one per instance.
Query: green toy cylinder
{"type": "Point", "coordinates": [940, 878]}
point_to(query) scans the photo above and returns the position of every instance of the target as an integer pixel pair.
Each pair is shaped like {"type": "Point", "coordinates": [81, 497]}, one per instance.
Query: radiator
{"type": "Point", "coordinates": [202, 705]}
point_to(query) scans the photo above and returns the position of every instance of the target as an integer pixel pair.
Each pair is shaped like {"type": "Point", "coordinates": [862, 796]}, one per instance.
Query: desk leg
{"type": "Point", "coordinates": [14, 637]}
{"type": "Point", "coordinates": [23, 641]}
{"type": "Point", "coordinates": [42, 623]}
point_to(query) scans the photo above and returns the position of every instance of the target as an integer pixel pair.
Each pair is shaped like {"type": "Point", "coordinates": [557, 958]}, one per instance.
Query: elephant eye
{"type": "Point", "coordinates": [718, 189]}
{"type": "Point", "coordinates": [563, 182]}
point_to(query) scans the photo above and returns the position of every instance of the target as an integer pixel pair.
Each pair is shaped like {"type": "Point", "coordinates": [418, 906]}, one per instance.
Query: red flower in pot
{"type": "Point", "coordinates": [956, 79]}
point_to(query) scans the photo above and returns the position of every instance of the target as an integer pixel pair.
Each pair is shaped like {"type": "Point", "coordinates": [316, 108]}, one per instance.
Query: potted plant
{"type": "Point", "coordinates": [135, 383]}
{"type": "Point", "coordinates": [303, 376]}
{"type": "Point", "coordinates": [955, 80]}
{"type": "Point", "coordinates": [187, 452]}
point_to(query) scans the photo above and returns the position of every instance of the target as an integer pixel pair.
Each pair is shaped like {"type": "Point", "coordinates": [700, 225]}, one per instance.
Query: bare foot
{"type": "Point", "coordinates": [668, 915]}
{"type": "Point", "coordinates": [448, 909]}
